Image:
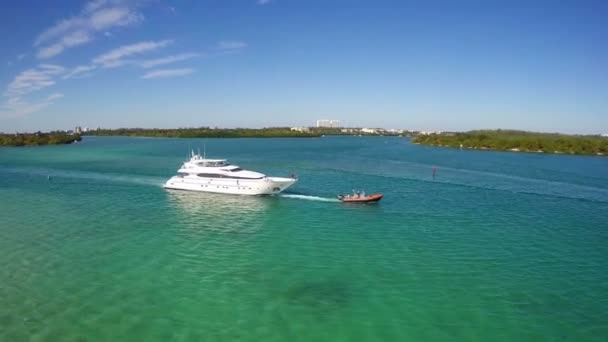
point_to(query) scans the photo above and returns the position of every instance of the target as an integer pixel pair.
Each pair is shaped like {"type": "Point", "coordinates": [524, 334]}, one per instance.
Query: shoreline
{"type": "Point", "coordinates": [513, 150]}
{"type": "Point", "coordinates": [38, 139]}
{"type": "Point", "coordinates": [518, 141]}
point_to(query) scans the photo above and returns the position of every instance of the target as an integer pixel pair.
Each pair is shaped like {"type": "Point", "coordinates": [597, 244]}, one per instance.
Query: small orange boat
{"type": "Point", "coordinates": [360, 198]}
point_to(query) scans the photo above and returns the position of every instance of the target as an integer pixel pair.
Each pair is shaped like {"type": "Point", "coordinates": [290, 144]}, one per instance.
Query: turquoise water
{"type": "Point", "coordinates": [499, 247]}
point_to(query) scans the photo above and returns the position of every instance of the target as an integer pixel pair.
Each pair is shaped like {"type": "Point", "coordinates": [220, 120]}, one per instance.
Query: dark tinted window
{"type": "Point", "coordinates": [214, 175]}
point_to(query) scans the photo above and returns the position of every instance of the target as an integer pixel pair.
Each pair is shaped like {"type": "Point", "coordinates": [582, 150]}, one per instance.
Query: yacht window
{"type": "Point", "coordinates": [209, 175]}
{"type": "Point", "coordinates": [236, 169]}
{"type": "Point", "coordinates": [215, 175]}
{"type": "Point", "coordinates": [213, 163]}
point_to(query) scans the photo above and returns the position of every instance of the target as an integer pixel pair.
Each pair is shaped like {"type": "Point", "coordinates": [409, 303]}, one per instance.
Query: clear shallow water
{"type": "Point", "coordinates": [500, 246]}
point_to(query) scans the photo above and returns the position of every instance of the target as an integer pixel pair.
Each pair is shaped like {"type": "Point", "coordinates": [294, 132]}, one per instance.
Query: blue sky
{"type": "Point", "coordinates": [433, 65]}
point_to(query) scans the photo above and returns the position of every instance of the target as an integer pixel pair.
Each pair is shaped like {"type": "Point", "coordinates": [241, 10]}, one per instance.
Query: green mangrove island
{"type": "Point", "coordinates": [38, 138]}
{"type": "Point", "coordinates": [518, 141]}
{"type": "Point", "coordinates": [207, 132]}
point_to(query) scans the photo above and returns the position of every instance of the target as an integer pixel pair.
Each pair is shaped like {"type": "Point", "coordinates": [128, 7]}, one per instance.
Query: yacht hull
{"type": "Point", "coordinates": [263, 186]}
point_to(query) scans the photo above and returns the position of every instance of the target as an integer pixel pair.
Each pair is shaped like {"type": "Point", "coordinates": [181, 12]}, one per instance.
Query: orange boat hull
{"type": "Point", "coordinates": [370, 198]}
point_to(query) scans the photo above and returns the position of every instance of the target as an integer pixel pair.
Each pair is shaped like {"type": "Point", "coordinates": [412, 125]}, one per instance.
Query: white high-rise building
{"type": "Point", "coordinates": [328, 123]}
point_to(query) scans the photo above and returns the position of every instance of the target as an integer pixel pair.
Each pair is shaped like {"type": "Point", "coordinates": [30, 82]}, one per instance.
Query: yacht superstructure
{"type": "Point", "coordinates": [217, 175]}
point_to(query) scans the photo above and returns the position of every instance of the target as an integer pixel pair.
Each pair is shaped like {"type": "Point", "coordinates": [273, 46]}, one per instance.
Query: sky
{"type": "Point", "coordinates": [425, 65]}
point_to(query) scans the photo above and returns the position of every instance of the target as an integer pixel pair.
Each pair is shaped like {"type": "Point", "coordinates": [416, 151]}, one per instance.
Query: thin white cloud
{"type": "Point", "coordinates": [168, 60]}
{"type": "Point", "coordinates": [96, 16]}
{"type": "Point", "coordinates": [69, 40]}
{"type": "Point", "coordinates": [115, 57]}
{"type": "Point", "coordinates": [33, 79]}
{"type": "Point", "coordinates": [231, 45]}
{"type": "Point", "coordinates": [111, 17]}
{"type": "Point", "coordinates": [80, 71]}
{"type": "Point", "coordinates": [50, 51]}
{"type": "Point", "coordinates": [29, 81]}
{"type": "Point", "coordinates": [53, 97]}
{"type": "Point", "coordinates": [16, 106]}
{"type": "Point", "coordinates": [263, 2]}
{"type": "Point", "coordinates": [164, 73]}
{"type": "Point", "coordinates": [51, 69]}
{"type": "Point", "coordinates": [93, 5]}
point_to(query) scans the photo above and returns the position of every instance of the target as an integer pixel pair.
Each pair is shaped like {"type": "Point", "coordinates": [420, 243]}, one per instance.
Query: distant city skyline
{"type": "Point", "coordinates": [434, 66]}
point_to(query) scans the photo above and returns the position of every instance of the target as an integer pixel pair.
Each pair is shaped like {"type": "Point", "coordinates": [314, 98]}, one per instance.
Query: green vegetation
{"type": "Point", "coordinates": [204, 132]}
{"type": "Point", "coordinates": [38, 138]}
{"type": "Point", "coordinates": [207, 132]}
{"type": "Point", "coordinates": [519, 141]}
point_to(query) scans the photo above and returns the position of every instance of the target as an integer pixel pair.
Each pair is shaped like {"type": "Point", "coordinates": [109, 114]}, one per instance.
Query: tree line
{"type": "Point", "coordinates": [207, 132]}
{"type": "Point", "coordinates": [519, 141]}
{"type": "Point", "coordinates": [38, 138]}
{"type": "Point", "coordinates": [204, 132]}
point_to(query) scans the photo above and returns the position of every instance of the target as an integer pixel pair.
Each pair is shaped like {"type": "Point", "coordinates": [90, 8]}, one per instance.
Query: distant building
{"type": "Point", "coordinates": [78, 130]}
{"type": "Point", "coordinates": [300, 129]}
{"type": "Point", "coordinates": [328, 123]}
{"type": "Point", "coordinates": [429, 132]}
{"type": "Point", "coordinates": [368, 130]}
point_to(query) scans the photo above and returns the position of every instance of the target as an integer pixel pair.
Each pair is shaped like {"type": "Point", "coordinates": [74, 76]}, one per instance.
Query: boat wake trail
{"type": "Point", "coordinates": [61, 176]}
{"type": "Point", "coordinates": [309, 198]}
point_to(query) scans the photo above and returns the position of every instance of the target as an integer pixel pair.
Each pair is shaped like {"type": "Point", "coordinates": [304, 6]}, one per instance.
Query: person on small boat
{"type": "Point", "coordinates": [359, 196]}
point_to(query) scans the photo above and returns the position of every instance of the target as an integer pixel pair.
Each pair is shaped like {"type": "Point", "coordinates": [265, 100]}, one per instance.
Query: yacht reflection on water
{"type": "Point", "coordinates": [219, 212]}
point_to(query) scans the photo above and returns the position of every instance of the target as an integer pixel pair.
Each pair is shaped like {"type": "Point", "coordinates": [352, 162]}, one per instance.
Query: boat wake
{"type": "Point", "coordinates": [309, 198]}
{"type": "Point", "coordinates": [64, 176]}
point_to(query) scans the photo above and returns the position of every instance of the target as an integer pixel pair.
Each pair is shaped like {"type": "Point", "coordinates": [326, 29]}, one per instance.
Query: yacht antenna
{"type": "Point", "coordinates": [204, 151]}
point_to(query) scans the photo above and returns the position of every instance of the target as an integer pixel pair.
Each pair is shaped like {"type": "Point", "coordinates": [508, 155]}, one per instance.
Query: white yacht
{"type": "Point", "coordinates": [217, 175]}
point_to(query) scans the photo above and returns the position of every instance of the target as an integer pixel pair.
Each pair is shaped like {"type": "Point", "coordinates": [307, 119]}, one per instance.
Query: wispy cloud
{"type": "Point", "coordinates": [29, 81]}
{"type": "Point", "coordinates": [115, 57]}
{"type": "Point", "coordinates": [263, 2]}
{"type": "Point", "coordinates": [32, 80]}
{"type": "Point", "coordinates": [168, 60]}
{"type": "Point", "coordinates": [69, 40]}
{"type": "Point", "coordinates": [16, 106]}
{"type": "Point", "coordinates": [54, 96]}
{"type": "Point", "coordinates": [96, 16]}
{"type": "Point", "coordinates": [80, 72]}
{"type": "Point", "coordinates": [93, 5]}
{"type": "Point", "coordinates": [231, 45]}
{"type": "Point", "coordinates": [163, 73]}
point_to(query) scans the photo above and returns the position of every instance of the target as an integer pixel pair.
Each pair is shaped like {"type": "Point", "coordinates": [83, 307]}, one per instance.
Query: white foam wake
{"type": "Point", "coordinates": [310, 198]}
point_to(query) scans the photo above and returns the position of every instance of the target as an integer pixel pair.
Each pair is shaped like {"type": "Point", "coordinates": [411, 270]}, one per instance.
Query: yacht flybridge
{"type": "Point", "coordinates": [217, 175]}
